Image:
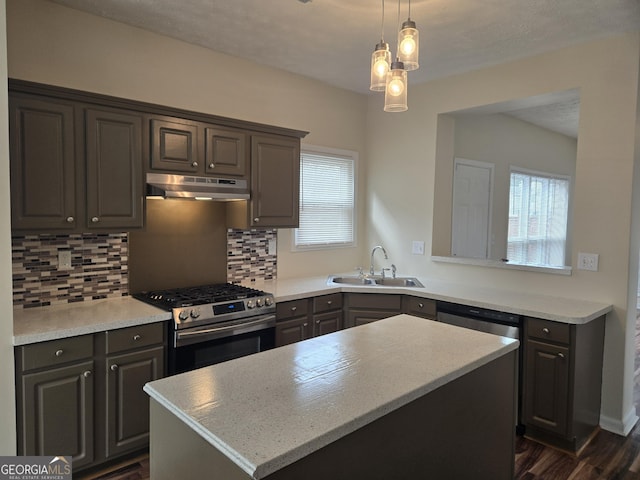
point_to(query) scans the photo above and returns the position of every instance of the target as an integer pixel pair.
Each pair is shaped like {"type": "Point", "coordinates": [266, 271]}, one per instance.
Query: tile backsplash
{"type": "Point", "coordinates": [249, 256]}
{"type": "Point", "coordinates": [99, 265]}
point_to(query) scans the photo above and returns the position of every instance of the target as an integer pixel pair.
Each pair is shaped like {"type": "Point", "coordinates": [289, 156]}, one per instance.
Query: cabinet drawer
{"type": "Point", "coordinates": [134, 337]}
{"type": "Point", "coordinates": [422, 307]}
{"type": "Point", "coordinates": [56, 352]}
{"type": "Point", "coordinates": [294, 308]}
{"type": "Point", "coordinates": [327, 302]}
{"type": "Point", "coordinates": [548, 330]}
{"type": "Point", "coordinates": [375, 301]}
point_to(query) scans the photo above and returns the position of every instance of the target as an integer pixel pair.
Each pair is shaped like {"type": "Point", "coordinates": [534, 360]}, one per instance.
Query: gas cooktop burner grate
{"type": "Point", "coordinates": [200, 295]}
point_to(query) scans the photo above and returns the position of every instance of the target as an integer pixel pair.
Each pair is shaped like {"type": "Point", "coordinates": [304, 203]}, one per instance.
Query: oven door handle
{"type": "Point", "coordinates": [203, 334]}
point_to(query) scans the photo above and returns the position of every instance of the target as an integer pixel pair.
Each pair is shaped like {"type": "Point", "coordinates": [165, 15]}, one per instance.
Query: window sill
{"type": "Point", "coordinates": [498, 264]}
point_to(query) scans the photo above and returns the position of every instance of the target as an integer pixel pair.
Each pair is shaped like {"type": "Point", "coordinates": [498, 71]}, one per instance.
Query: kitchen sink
{"type": "Point", "coordinates": [375, 281]}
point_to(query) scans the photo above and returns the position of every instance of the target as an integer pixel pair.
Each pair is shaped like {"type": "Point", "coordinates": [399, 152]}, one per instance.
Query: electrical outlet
{"type": "Point", "coordinates": [272, 247]}
{"type": "Point", "coordinates": [64, 260]}
{"type": "Point", "coordinates": [417, 247]}
{"type": "Point", "coordinates": [588, 261]}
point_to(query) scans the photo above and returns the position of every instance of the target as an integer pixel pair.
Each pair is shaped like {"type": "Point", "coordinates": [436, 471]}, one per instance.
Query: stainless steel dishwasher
{"type": "Point", "coordinates": [490, 321]}
{"type": "Point", "coordinates": [484, 320]}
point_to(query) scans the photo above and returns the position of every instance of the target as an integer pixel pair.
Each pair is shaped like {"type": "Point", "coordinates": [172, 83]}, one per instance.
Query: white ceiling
{"type": "Point", "coordinates": [332, 40]}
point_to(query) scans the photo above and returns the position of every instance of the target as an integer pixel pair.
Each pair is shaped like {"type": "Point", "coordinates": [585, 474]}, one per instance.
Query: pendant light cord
{"type": "Point", "coordinates": [382, 25]}
{"type": "Point", "coordinates": [409, 16]}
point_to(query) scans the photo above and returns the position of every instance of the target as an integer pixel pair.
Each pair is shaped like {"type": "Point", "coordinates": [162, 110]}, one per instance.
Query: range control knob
{"type": "Point", "coordinates": [195, 313]}
{"type": "Point", "coordinates": [259, 302]}
{"type": "Point", "coordinates": [268, 301]}
{"type": "Point", "coordinates": [183, 315]}
{"type": "Point", "coordinates": [250, 304]}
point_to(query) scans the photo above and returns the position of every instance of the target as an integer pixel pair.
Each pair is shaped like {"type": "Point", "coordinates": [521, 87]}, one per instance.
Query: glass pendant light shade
{"type": "Point", "coordinates": [408, 45]}
{"type": "Point", "coordinates": [395, 94]}
{"type": "Point", "coordinates": [380, 63]}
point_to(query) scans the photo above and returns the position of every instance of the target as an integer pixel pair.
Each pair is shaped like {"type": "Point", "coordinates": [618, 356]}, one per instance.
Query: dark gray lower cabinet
{"type": "Point", "coordinates": [364, 308]}
{"type": "Point", "coordinates": [127, 405]}
{"type": "Point", "coordinates": [562, 381]}
{"type": "Point", "coordinates": [57, 413]}
{"type": "Point", "coordinates": [82, 396]}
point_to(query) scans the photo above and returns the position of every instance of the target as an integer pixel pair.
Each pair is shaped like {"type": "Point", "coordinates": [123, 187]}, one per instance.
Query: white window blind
{"type": "Point", "coordinates": [327, 215]}
{"type": "Point", "coordinates": [538, 213]}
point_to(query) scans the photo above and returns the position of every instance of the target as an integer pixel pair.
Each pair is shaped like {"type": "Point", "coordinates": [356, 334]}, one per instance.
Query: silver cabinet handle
{"type": "Point", "coordinates": [546, 330]}
{"type": "Point", "coordinates": [114, 367]}
{"type": "Point", "coordinates": [59, 353]}
{"type": "Point", "coordinates": [95, 219]}
{"type": "Point", "coordinates": [421, 305]}
{"type": "Point", "coordinates": [194, 164]}
{"type": "Point", "coordinates": [70, 219]}
{"type": "Point", "coordinates": [136, 337]}
{"type": "Point", "coordinates": [561, 355]}
{"type": "Point", "coordinates": [87, 374]}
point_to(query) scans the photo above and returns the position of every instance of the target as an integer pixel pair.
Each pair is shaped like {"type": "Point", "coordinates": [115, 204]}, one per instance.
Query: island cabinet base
{"type": "Point", "coordinates": [464, 429]}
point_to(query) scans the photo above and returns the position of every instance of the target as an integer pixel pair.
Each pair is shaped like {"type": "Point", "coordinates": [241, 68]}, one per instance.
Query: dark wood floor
{"type": "Point", "coordinates": [606, 457]}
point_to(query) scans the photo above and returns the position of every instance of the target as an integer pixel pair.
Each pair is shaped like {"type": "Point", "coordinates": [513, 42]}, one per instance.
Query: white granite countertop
{"type": "Point", "coordinates": [32, 325]}
{"type": "Point", "coordinates": [559, 309]}
{"type": "Point", "coordinates": [267, 410]}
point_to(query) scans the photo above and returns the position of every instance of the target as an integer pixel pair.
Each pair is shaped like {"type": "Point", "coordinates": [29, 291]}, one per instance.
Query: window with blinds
{"type": "Point", "coordinates": [538, 213]}
{"type": "Point", "coordinates": [327, 199]}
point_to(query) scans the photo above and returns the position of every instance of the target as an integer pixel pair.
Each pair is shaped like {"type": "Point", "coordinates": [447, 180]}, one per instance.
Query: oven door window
{"type": "Point", "coordinates": [198, 355]}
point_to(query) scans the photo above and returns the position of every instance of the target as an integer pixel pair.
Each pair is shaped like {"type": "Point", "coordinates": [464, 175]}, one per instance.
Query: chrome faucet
{"type": "Point", "coordinates": [374, 251]}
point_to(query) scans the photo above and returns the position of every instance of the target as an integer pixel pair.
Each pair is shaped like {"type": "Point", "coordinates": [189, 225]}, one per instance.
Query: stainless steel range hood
{"type": "Point", "coordinates": [205, 188]}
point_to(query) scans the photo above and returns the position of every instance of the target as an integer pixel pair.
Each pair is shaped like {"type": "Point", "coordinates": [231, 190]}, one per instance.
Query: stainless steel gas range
{"type": "Point", "coordinates": [214, 323]}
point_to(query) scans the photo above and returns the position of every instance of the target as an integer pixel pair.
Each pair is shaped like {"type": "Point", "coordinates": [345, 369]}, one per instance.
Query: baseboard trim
{"type": "Point", "coordinates": [620, 427]}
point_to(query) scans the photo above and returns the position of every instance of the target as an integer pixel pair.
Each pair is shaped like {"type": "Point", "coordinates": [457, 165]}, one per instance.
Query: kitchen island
{"type": "Point", "coordinates": [403, 397]}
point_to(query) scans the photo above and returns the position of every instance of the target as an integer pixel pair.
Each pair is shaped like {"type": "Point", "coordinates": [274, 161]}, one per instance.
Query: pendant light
{"type": "Point", "coordinates": [395, 93]}
{"type": "Point", "coordinates": [380, 61]}
{"type": "Point", "coordinates": [409, 43]}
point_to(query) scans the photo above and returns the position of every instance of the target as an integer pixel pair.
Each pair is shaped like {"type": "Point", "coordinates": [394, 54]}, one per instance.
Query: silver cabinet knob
{"type": "Point", "coordinates": [546, 330]}
{"type": "Point", "coordinates": [95, 219]}
{"type": "Point", "coordinates": [70, 219]}
{"type": "Point", "coordinates": [329, 302]}
{"type": "Point", "coordinates": [561, 355]}
{"type": "Point", "coordinates": [305, 324]}
{"type": "Point", "coordinates": [256, 220]}
{"type": "Point", "coordinates": [87, 374]}
{"type": "Point", "coordinates": [136, 337]}
{"type": "Point", "coordinates": [212, 165]}
{"type": "Point", "coordinates": [194, 164]}
{"type": "Point", "coordinates": [293, 309]}
{"type": "Point", "coordinates": [318, 322]}
{"type": "Point", "coordinates": [421, 305]}
{"type": "Point", "coordinates": [114, 367]}
{"type": "Point", "coordinates": [59, 353]}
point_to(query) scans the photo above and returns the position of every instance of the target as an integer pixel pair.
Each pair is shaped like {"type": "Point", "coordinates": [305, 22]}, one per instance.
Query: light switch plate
{"type": "Point", "coordinates": [417, 247]}
{"type": "Point", "coordinates": [588, 261]}
{"type": "Point", "coordinates": [64, 260]}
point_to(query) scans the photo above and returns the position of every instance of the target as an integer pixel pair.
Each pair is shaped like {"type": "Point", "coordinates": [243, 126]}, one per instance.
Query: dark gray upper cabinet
{"type": "Point", "coordinates": [74, 167]}
{"type": "Point", "coordinates": [42, 149]}
{"type": "Point", "coordinates": [226, 152]}
{"type": "Point", "coordinates": [114, 169]}
{"type": "Point", "coordinates": [174, 146]}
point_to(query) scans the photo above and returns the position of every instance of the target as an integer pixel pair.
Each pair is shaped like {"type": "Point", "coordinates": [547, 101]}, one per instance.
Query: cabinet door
{"type": "Point", "coordinates": [546, 386]}
{"type": "Point", "coordinates": [174, 146]}
{"type": "Point", "coordinates": [327, 322]}
{"type": "Point", "coordinates": [43, 191]}
{"type": "Point", "coordinates": [275, 181]}
{"type": "Point", "coordinates": [114, 169]}
{"type": "Point", "coordinates": [360, 317]}
{"type": "Point", "coordinates": [127, 409]}
{"type": "Point", "coordinates": [57, 411]}
{"type": "Point", "coordinates": [292, 331]}
{"type": "Point", "coordinates": [225, 152]}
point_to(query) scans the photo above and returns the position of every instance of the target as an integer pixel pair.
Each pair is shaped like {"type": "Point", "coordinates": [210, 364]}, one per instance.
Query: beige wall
{"type": "Point", "coordinates": [7, 392]}
{"type": "Point", "coordinates": [52, 44]}
{"type": "Point", "coordinates": [400, 183]}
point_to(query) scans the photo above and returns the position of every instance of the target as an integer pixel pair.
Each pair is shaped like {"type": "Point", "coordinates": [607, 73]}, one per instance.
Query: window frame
{"type": "Point", "coordinates": [350, 155]}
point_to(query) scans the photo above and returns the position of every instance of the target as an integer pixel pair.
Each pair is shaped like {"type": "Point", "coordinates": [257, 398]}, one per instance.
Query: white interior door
{"type": "Point", "coordinates": [471, 213]}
